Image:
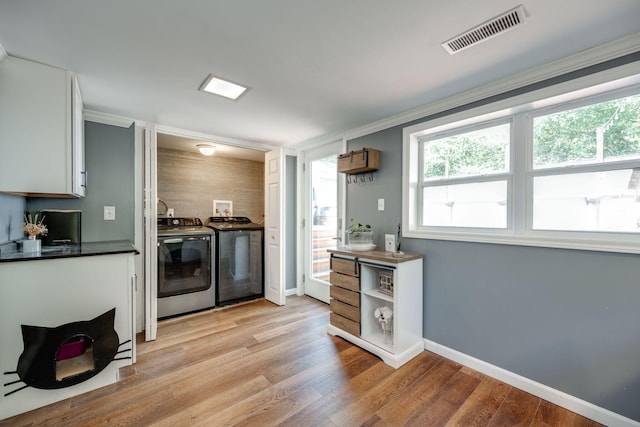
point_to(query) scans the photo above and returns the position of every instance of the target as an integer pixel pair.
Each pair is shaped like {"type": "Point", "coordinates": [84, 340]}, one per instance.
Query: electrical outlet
{"type": "Point", "coordinates": [109, 213]}
{"type": "Point", "coordinates": [380, 204]}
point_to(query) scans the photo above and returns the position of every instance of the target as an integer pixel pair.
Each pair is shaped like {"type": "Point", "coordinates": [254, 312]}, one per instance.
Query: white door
{"type": "Point", "coordinates": [150, 233]}
{"type": "Point", "coordinates": [274, 286]}
{"type": "Point", "coordinates": [322, 216]}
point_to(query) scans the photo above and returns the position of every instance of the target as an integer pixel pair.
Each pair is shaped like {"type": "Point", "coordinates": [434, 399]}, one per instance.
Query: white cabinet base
{"type": "Point", "coordinates": [54, 292]}
{"type": "Point", "coordinates": [388, 303]}
{"type": "Point", "coordinates": [393, 360]}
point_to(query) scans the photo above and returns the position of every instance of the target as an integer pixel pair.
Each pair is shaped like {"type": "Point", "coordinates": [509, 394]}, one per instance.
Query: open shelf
{"type": "Point", "coordinates": [385, 342]}
{"type": "Point", "coordinates": [372, 299]}
{"type": "Point", "coordinates": [378, 294]}
{"type": "Point", "coordinates": [371, 329]}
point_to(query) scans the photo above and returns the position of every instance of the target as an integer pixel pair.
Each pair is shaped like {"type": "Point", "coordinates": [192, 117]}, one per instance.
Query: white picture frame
{"type": "Point", "coordinates": [222, 208]}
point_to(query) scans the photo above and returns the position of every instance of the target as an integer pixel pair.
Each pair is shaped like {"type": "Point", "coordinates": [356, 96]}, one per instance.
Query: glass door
{"type": "Point", "coordinates": [323, 217]}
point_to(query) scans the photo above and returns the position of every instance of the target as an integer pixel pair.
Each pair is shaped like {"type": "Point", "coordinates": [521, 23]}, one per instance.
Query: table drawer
{"type": "Point", "coordinates": [344, 281]}
{"type": "Point", "coordinates": [345, 266]}
{"type": "Point", "coordinates": [345, 310]}
{"type": "Point", "coordinates": [344, 295]}
{"type": "Point", "coordinates": [345, 324]}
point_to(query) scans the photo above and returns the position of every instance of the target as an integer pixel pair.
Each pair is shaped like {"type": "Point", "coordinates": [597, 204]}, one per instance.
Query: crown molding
{"type": "Point", "coordinates": [214, 138]}
{"type": "Point", "coordinates": [108, 119]}
{"type": "Point", "coordinates": [596, 55]}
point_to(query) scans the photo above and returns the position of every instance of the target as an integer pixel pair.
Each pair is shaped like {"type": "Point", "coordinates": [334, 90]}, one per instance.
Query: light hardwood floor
{"type": "Point", "coordinates": [257, 364]}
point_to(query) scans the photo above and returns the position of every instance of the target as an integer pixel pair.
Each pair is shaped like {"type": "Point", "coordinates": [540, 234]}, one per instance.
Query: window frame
{"type": "Point", "coordinates": [521, 111]}
{"type": "Point", "coordinates": [506, 176]}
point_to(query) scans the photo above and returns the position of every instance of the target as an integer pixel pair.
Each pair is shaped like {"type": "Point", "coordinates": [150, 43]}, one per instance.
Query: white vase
{"type": "Point", "coordinates": [31, 245]}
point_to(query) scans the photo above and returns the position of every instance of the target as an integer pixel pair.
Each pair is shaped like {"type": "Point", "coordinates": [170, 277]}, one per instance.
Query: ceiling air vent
{"type": "Point", "coordinates": [493, 27]}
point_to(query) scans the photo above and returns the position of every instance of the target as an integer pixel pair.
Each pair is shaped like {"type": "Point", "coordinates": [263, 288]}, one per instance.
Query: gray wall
{"type": "Point", "coordinates": [12, 210]}
{"type": "Point", "coordinates": [109, 158]}
{"type": "Point", "coordinates": [567, 319]}
{"type": "Point", "coordinates": [290, 232]}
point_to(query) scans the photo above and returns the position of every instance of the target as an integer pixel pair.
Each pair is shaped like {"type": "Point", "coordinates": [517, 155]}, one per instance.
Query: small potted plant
{"type": "Point", "coordinates": [359, 236]}
{"type": "Point", "coordinates": [33, 227]}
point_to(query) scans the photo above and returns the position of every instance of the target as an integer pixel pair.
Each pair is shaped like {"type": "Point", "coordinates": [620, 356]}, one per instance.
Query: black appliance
{"type": "Point", "coordinates": [238, 254]}
{"type": "Point", "coordinates": [63, 227]}
{"type": "Point", "coordinates": [185, 264]}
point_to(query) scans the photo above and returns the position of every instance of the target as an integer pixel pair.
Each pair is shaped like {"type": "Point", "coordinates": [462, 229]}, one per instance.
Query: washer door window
{"type": "Point", "coordinates": [184, 265]}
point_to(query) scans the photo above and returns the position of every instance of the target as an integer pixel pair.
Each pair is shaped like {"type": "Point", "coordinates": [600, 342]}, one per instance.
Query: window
{"type": "Point", "coordinates": [586, 167]}
{"type": "Point", "coordinates": [465, 177]}
{"type": "Point", "coordinates": [562, 172]}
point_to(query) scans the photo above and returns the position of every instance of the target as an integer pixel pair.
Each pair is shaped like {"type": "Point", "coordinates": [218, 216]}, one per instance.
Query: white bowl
{"type": "Point", "coordinates": [361, 246]}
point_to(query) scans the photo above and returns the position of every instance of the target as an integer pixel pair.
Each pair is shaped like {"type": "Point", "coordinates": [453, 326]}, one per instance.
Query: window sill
{"type": "Point", "coordinates": [629, 246]}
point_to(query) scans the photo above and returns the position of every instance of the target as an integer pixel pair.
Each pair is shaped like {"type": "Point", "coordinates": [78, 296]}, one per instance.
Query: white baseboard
{"type": "Point", "coordinates": [290, 292]}
{"type": "Point", "coordinates": [542, 391]}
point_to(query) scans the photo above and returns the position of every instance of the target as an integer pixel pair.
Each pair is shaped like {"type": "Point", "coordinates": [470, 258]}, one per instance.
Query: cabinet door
{"type": "Point", "coordinates": [79, 174]}
{"type": "Point", "coordinates": [36, 129]}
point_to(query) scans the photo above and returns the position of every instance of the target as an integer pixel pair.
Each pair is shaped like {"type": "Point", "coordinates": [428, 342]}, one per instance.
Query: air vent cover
{"type": "Point", "coordinates": [493, 27]}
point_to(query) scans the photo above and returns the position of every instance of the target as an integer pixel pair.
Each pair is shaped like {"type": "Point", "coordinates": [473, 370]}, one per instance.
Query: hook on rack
{"type": "Point", "coordinates": [361, 177]}
{"type": "Point", "coordinates": [353, 178]}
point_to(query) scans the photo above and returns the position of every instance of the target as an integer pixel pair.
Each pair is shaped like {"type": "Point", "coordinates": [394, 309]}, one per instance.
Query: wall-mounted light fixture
{"type": "Point", "coordinates": [206, 149]}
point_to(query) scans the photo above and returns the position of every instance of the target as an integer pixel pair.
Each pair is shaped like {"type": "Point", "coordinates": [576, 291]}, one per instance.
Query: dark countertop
{"type": "Point", "coordinates": [9, 254]}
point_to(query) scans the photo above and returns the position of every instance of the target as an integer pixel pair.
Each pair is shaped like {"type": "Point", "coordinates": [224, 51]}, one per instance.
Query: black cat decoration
{"type": "Point", "coordinates": [46, 348]}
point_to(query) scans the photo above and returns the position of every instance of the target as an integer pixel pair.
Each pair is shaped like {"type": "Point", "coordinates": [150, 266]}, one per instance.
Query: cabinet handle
{"type": "Point", "coordinates": [85, 177]}
{"type": "Point", "coordinates": [355, 259]}
{"type": "Point", "coordinates": [373, 264]}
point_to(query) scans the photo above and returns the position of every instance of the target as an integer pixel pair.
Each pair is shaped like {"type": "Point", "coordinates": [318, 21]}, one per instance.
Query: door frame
{"type": "Point", "coordinates": [150, 233]}
{"type": "Point", "coordinates": [151, 205]}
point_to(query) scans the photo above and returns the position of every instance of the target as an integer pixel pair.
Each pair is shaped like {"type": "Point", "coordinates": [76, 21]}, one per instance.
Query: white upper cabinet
{"type": "Point", "coordinates": [41, 130]}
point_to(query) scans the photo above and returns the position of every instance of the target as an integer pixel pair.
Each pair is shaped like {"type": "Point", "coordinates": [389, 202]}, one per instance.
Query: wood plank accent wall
{"type": "Point", "coordinates": [190, 182]}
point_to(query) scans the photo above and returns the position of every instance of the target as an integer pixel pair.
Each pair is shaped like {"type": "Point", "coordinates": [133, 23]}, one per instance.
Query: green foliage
{"type": "Point", "coordinates": [472, 153]}
{"type": "Point", "coordinates": [356, 227]}
{"type": "Point", "coordinates": [571, 136]}
{"type": "Point", "coordinates": [565, 137]}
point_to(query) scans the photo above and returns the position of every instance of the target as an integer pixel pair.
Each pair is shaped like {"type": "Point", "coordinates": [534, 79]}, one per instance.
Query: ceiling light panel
{"type": "Point", "coordinates": [221, 87]}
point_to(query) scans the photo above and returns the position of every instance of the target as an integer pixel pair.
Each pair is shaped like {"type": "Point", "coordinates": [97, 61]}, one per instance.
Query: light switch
{"type": "Point", "coordinates": [109, 213]}
{"type": "Point", "coordinates": [380, 204]}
